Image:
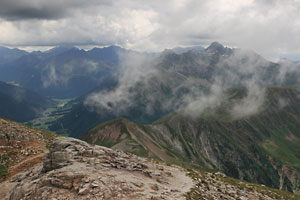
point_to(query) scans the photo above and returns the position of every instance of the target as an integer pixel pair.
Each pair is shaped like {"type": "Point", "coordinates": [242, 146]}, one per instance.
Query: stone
{"type": "Point", "coordinates": [138, 184]}
{"type": "Point", "coordinates": [83, 191]}
{"type": "Point", "coordinates": [154, 187]}
{"type": "Point", "coordinates": [55, 160]}
{"type": "Point", "coordinates": [156, 173]}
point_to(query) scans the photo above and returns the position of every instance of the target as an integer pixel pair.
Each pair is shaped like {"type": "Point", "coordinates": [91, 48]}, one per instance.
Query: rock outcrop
{"type": "Point", "coordinates": [76, 170]}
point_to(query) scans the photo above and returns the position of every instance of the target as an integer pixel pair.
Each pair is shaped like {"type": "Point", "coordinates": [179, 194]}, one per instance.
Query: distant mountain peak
{"type": "Point", "coordinates": [114, 47]}
{"type": "Point", "coordinates": [60, 49]}
{"type": "Point", "coordinates": [217, 47]}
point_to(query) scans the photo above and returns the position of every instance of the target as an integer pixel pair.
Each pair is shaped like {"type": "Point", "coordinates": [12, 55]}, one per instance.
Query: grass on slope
{"type": "Point", "coordinates": [284, 147]}
{"type": "Point", "coordinates": [3, 170]}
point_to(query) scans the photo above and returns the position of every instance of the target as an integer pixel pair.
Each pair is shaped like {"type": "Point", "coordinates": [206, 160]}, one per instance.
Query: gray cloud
{"type": "Point", "coordinates": [267, 27]}
{"type": "Point", "coordinates": [42, 9]}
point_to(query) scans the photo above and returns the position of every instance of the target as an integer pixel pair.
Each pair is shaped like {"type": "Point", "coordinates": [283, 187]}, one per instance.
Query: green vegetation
{"type": "Point", "coordinates": [284, 142]}
{"type": "Point", "coordinates": [3, 171]}
{"type": "Point", "coordinates": [137, 149]}
{"type": "Point", "coordinates": [6, 160]}
{"type": "Point", "coordinates": [60, 108]}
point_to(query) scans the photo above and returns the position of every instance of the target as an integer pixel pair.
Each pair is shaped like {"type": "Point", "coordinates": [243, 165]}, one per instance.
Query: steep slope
{"type": "Point", "coordinates": [261, 147]}
{"type": "Point", "coordinates": [22, 147]}
{"type": "Point", "coordinates": [74, 169]}
{"type": "Point", "coordinates": [20, 104]}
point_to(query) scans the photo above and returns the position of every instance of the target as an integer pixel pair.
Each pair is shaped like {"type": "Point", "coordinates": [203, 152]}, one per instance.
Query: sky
{"type": "Point", "coordinates": [269, 27]}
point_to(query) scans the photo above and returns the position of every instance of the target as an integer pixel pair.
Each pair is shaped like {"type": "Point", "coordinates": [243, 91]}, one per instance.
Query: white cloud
{"type": "Point", "coordinates": [136, 69]}
{"type": "Point", "coordinates": [251, 104]}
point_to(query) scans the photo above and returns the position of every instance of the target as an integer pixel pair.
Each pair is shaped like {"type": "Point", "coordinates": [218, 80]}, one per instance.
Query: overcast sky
{"type": "Point", "coordinates": [269, 27]}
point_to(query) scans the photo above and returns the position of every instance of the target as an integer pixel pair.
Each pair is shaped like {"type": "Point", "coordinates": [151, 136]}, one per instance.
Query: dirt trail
{"type": "Point", "coordinates": [30, 162]}
{"type": "Point", "coordinates": [26, 164]}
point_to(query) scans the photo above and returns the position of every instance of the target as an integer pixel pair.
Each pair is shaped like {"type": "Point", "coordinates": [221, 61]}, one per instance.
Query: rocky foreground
{"type": "Point", "coordinates": [76, 170]}
{"type": "Point", "coordinates": [73, 169]}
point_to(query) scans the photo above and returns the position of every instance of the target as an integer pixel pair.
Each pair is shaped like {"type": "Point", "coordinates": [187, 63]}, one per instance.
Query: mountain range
{"type": "Point", "coordinates": [61, 72]}
{"type": "Point", "coordinates": [175, 81]}
{"type": "Point", "coordinates": [215, 108]}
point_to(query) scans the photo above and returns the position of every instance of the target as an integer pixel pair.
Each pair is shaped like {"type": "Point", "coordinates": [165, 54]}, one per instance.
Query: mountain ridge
{"type": "Point", "coordinates": [20, 104]}
{"type": "Point", "coordinates": [262, 151]}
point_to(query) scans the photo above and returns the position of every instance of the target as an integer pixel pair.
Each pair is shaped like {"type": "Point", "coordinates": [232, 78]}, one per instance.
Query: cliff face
{"type": "Point", "coordinates": [260, 148]}
{"type": "Point", "coordinates": [74, 169]}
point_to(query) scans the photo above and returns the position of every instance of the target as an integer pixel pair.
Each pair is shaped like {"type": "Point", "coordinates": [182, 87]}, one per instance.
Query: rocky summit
{"type": "Point", "coordinates": [74, 169]}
